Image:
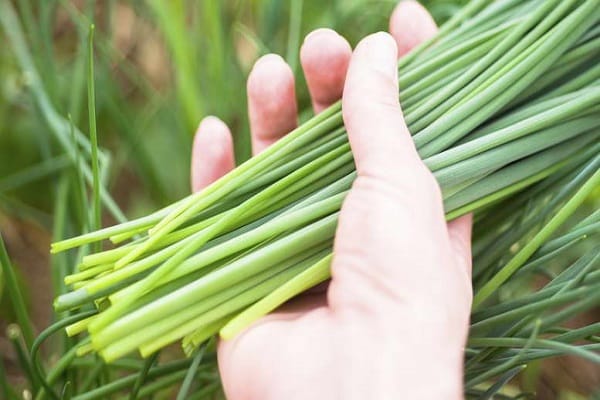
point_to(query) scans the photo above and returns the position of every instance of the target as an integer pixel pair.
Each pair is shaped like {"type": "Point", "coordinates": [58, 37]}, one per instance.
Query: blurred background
{"type": "Point", "coordinates": [159, 67]}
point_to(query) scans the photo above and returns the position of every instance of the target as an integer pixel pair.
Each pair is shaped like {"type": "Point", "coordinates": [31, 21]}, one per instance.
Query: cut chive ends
{"type": "Point", "coordinates": [504, 109]}
{"type": "Point", "coordinates": [312, 276]}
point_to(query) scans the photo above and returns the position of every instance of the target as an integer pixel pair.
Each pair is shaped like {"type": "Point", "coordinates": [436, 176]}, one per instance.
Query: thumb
{"type": "Point", "coordinates": [378, 134]}
{"type": "Point", "coordinates": [392, 237]}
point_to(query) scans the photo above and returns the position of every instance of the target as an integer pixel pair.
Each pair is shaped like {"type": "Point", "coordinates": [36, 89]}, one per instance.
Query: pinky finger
{"type": "Point", "coordinates": [212, 153]}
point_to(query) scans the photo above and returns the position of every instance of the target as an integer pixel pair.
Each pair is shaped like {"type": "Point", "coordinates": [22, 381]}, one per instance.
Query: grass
{"type": "Point", "coordinates": [142, 122]}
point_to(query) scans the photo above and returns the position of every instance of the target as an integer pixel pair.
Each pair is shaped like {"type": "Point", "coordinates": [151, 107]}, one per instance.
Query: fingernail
{"type": "Point", "coordinates": [382, 51]}
{"type": "Point", "coordinates": [319, 33]}
{"type": "Point", "coordinates": [210, 123]}
{"type": "Point", "coordinates": [269, 58]}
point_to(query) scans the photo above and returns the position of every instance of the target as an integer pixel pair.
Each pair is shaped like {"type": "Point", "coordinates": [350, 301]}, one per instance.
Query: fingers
{"type": "Point", "coordinates": [271, 101]}
{"type": "Point", "coordinates": [212, 153]}
{"type": "Point", "coordinates": [378, 135]}
{"type": "Point", "coordinates": [410, 25]}
{"type": "Point", "coordinates": [325, 56]}
{"type": "Point", "coordinates": [271, 92]}
{"type": "Point", "coordinates": [459, 232]}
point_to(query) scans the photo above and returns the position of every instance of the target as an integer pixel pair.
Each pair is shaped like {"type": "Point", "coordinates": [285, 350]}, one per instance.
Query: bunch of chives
{"type": "Point", "coordinates": [506, 95]}
{"type": "Point", "coordinates": [522, 324]}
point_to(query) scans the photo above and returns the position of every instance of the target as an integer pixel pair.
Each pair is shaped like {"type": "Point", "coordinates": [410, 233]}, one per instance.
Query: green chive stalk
{"type": "Point", "coordinates": [503, 103]}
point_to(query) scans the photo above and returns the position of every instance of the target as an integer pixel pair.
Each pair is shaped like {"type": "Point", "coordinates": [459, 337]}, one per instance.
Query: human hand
{"type": "Point", "coordinates": [395, 317]}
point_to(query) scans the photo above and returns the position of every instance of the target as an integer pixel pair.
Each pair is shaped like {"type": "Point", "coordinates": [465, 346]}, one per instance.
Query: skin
{"type": "Point", "coordinates": [393, 321]}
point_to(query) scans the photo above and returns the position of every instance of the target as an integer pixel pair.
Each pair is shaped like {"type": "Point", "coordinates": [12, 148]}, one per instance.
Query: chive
{"type": "Point", "coordinates": [13, 333]}
{"type": "Point", "coordinates": [16, 296]}
{"type": "Point", "coordinates": [37, 368]}
{"type": "Point", "coordinates": [538, 343]}
{"type": "Point", "coordinates": [142, 376]}
{"type": "Point", "coordinates": [502, 105]}
{"type": "Point", "coordinates": [117, 385]}
{"type": "Point", "coordinates": [508, 364]}
{"type": "Point", "coordinates": [223, 310]}
{"type": "Point", "coordinates": [126, 326]}
{"type": "Point", "coordinates": [7, 391]}
{"type": "Point", "coordinates": [315, 274]}
{"type": "Point", "coordinates": [59, 368]}
{"type": "Point", "coordinates": [190, 375]}
{"type": "Point", "coordinates": [534, 244]}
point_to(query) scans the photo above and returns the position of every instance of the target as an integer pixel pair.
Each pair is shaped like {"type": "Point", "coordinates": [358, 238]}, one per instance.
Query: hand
{"type": "Point", "coordinates": [395, 317]}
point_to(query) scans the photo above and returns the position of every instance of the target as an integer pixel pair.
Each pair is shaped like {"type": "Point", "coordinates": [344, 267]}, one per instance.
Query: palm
{"type": "Point", "coordinates": [280, 345]}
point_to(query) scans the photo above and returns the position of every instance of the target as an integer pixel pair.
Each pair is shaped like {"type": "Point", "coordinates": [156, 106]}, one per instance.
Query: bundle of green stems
{"type": "Point", "coordinates": [504, 98]}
